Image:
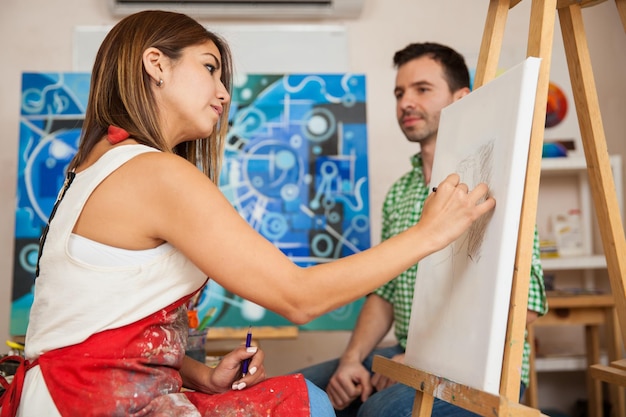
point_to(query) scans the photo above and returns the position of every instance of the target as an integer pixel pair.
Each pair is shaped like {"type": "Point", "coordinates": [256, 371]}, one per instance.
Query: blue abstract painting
{"type": "Point", "coordinates": [295, 168]}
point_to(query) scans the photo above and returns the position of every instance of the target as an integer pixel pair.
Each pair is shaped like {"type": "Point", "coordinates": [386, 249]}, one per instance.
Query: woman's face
{"type": "Point", "coordinates": [192, 96]}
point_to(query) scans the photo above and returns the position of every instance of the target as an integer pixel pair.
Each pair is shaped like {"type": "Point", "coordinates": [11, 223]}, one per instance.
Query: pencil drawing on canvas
{"type": "Point", "coordinates": [461, 297]}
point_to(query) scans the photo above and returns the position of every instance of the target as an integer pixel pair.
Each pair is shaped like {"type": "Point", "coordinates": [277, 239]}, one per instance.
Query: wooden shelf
{"type": "Point", "coordinates": [563, 165]}
{"type": "Point", "coordinates": [574, 262]}
{"type": "Point", "coordinates": [557, 300]}
{"type": "Point", "coordinates": [216, 336]}
{"type": "Point", "coordinates": [569, 164]}
{"type": "Point", "coordinates": [563, 363]}
{"type": "Point", "coordinates": [262, 332]}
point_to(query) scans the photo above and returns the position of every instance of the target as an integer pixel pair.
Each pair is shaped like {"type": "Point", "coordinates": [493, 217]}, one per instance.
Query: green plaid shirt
{"type": "Point", "coordinates": [402, 209]}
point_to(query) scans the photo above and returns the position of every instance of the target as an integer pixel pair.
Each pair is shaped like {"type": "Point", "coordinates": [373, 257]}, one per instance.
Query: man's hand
{"type": "Point", "coordinates": [380, 382]}
{"type": "Point", "coordinates": [349, 381]}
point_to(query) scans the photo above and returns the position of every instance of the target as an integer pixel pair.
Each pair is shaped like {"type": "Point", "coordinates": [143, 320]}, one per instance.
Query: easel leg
{"type": "Point", "coordinates": [491, 44]}
{"type": "Point", "coordinates": [422, 405]}
{"type": "Point", "coordinates": [532, 399]}
{"type": "Point", "coordinates": [614, 348]}
{"type": "Point", "coordinates": [541, 34]}
{"type": "Point", "coordinates": [594, 387]}
{"type": "Point", "coordinates": [621, 8]}
{"type": "Point", "coordinates": [596, 153]}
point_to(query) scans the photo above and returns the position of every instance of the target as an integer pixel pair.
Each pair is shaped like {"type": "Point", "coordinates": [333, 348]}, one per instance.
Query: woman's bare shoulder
{"type": "Point", "coordinates": [163, 166]}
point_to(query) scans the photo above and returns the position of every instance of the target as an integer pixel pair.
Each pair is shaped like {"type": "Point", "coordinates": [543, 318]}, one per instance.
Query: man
{"type": "Point", "coordinates": [429, 77]}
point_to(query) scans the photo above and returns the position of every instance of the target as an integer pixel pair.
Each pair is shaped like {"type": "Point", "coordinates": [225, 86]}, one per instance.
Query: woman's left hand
{"type": "Point", "coordinates": [228, 373]}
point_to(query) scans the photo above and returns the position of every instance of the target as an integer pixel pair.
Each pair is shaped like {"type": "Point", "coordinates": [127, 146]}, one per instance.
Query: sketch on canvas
{"type": "Point", "coordinates": [462, 293]}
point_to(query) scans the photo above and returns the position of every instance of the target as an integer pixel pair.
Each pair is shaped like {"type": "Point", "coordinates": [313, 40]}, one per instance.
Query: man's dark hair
{"type": "Point", "coordinates": [454, 67]}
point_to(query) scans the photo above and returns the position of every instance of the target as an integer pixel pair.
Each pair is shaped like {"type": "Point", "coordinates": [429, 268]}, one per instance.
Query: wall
{"type": "Point", "coordinates": [42, 41]}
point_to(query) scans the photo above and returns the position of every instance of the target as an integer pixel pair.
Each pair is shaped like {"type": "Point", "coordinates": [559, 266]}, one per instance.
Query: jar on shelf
{"type": "Point", "coordinates": [568, 233]}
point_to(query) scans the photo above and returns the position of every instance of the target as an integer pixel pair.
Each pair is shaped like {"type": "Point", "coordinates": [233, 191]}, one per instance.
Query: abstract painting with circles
{"type": "Point", "coordinates": [295, 168]}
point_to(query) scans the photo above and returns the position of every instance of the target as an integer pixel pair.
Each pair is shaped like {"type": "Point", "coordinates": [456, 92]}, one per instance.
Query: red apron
{"type": "Point", "coordinates": [133, 371]}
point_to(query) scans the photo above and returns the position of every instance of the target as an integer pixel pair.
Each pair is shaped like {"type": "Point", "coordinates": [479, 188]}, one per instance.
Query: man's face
{"type": "Point", "coordinates": [421, 92]}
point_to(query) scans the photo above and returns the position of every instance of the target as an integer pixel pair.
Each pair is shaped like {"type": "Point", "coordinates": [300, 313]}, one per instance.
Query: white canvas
{"type": "Point", "coordinates": [462, 293]}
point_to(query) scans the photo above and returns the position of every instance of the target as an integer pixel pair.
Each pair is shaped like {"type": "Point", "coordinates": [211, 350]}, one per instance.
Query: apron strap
{"type": "Point", "coordinates": [10, 398]}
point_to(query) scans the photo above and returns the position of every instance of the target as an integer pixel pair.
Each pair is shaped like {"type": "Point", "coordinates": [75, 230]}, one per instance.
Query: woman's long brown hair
{"type": "Point", "coordinates": [120, 92]}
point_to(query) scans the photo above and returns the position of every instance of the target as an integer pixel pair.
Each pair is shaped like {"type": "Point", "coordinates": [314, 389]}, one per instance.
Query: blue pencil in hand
{"type": "Point", "coordinates": [246, 362]}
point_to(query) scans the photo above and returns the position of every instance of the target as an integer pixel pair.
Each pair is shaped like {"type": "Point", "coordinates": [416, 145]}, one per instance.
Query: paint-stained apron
{"type": "Point", "coordinates": [133, 371]}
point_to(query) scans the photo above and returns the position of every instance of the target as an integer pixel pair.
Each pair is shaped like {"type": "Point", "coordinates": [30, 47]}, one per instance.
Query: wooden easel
{"type": "Point", "coordinates": [540, 39]}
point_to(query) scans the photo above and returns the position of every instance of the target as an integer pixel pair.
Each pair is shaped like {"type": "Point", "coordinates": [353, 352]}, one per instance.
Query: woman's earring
{"type": "Point", "coordinates": [160, 83]}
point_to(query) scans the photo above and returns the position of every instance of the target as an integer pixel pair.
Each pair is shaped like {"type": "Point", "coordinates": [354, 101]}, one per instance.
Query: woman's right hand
{"type": "Point", "coordinates": [452, 208]}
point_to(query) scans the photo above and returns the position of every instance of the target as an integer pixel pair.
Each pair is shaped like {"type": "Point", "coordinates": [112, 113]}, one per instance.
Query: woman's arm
{"type": "Point", "coordinates": [160, 197]}
{"type": "Point", "coordinates": [217, 239]}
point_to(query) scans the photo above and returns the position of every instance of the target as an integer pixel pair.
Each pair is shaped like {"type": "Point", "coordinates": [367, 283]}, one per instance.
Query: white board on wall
{"type": "Point", "coordinates": [462, 293]}
{"type": "Point", "coordinates": [263, 49]}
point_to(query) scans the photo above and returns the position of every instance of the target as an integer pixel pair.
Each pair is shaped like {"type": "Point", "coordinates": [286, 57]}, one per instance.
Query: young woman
{"type": "Point", "coordinates": [139, 226]}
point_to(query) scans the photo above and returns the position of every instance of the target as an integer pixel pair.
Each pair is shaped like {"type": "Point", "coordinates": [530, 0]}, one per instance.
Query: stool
{"type": "Point", "coordinates": [590, 311]}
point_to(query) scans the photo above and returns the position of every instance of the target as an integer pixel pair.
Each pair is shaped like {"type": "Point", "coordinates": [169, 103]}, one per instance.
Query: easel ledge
{"type": "Point", "coordinates": [463, 396]}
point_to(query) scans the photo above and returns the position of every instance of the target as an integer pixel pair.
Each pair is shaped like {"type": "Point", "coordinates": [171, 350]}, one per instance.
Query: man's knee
{"type": "Point", "coordinates": [397, 401]}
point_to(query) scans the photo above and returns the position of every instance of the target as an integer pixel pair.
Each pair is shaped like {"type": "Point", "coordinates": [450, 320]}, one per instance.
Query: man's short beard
{"type": "Point", "coordinates": [416, 136]}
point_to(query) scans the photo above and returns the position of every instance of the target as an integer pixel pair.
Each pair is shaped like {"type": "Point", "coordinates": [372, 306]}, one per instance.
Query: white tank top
{"type": "Point", "coordinates": [96, 253]}
{"type": "Point", "coordinates": [75, 299]}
